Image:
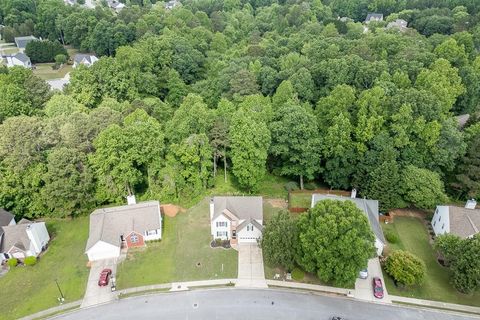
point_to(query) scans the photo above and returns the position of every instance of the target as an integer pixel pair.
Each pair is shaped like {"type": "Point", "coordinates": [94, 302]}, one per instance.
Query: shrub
{"type": "Point", "coordinates": [298, 274]}
{"type": "Point", "coordinates": [12, 262]}
{"type": "Point", "coordinates": [310, 186]}
{"type": "Point", "coordinates": [405, 268]}
{"type": "Point", "coordinates": [391, 236]}
{"type": "Point", "coordinates": [60, 59]}
{"type": "Point", "coordinates": [30, 261]}
{"type": "Point", "coordinates": [291, 186]}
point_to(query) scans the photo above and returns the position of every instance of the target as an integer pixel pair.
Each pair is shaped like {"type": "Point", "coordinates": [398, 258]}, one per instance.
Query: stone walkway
{"type": "Point", "coordinates": [251, 273]}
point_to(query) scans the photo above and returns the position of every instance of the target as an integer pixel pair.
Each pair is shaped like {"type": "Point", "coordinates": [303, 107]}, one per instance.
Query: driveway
{"type": "Point", "coordinates": [94, 294]}
{"type": "Point", "coordinates": [363, 287]}
{"type": "Point", "coordinates": [250, 267]}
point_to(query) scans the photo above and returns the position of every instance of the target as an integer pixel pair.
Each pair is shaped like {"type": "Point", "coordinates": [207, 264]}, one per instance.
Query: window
{"type": "Point", "coordinates": [434, 223]}
{"type": "Point", "coordinates": [222, 234]}
{"type": "Point", "coordinates": [249, 227]}
{"type": "Point", "coordinates": [134, 238]}
{"type": "Point", "coordinates": [151, 232]}
{"type": "Point", "coordinates": [439, 218]}
{"type": "Point", "coordinates": [443, 225]}
{"type": "Point", "coordinates": [221, 224]}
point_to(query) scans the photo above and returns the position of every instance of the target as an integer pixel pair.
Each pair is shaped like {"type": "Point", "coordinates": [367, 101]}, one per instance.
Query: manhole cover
{"type": "Point", "coordinates": [195, 305]}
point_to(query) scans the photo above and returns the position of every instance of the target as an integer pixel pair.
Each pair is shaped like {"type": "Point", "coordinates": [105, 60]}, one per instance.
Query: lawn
{"type": "Point", "coordinates": [45, 71]}
{"type": "Point", "coordinates": [183, 254]}
{"type": "Point", "coordinates": [8, 48]}
{"type": "Point", "coordinates": [413, 237]}
{"type": "Point", "coordinates": [26, 290]}
{"type": "Point", "coordinates": [300, 199]}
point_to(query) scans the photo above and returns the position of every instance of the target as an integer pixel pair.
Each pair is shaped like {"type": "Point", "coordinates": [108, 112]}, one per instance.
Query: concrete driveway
{"type": "Point", "coordinates": [95, 294]}
{"type": "Point", "coordinates": [250, 267]}
{"type": "Point", "coordinates": [363, 287]}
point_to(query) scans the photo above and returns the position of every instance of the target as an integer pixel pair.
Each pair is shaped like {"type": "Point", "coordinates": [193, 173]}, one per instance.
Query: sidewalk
{"type": "Point", "coordinates": [51, 311]}
{"type": "Point", "coordinates": [436, 304]}
{"type": "Point", "coordinates": [312, 287]}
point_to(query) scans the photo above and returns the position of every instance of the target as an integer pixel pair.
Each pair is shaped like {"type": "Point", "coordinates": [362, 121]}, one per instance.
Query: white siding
{"type": "Point", "coordinates": [153, 235]}
{"type": "Point", "coordinates": [102, 250]}
{"type": "Point", "coordinates": [247, 235]}
{"type": "Point", "coordinates": [441, 220]}
{"type": "Point", "coordinates": [38, 235]}
{"type": "Point", "coordinates": [379, 246]}
{"type": "Point", "coordinates": [226, 228]}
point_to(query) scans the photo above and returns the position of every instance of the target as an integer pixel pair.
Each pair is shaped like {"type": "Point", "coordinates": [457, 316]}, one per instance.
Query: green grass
{"type": "Point", "coordinates": [45, 71]}
{"type": "Point", "coordinates": [186, 242]}
{"type": "Point", "coordinates": [300, 200]}
{"type": "Point", "coordinates": [413, 237]}
{"type": "Point", "coordinates": [26, 290]}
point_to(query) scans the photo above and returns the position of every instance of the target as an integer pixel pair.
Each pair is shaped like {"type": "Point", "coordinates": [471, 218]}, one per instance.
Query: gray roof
{"type": "Point", "coordinates": [244, 208]}
{"type": "Point", "coordinates": [462, 120]}
{"type": "Point", "coordinates": [399, 23]}
{"type": "Point", "coordinates": [108, 224]}
{"type": "Point", "coordinates": [374, 16]}
{"type": "Point", "coordinates": [15, 235]}
{"type": "Point", "coordinates": [22, 57]}
{"type": "Point", "coordinates": [79, 57]}
{"type": "Point", "coordinates": [22, 42]}
{"type": "Point", "coordinates": [368, 207]}
{"type": "Point", "coordinates": [464, 222]}
{"type": "Point", "coordinates": [5, 217]}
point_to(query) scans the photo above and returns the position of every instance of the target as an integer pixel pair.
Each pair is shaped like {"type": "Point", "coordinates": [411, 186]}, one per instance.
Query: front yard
{"type": "Point", "coordinates": [413, 237]}
{"type": "Point", "coordinates": [26, 290]}
{"type": "Point", "coordinates": [183, 254]}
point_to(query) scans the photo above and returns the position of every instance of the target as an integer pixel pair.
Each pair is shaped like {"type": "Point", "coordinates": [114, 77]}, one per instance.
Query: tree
{"type": "Point", "coordinates": [405, 268]}
{"type": "Point", "coordinates": [60, 59]}
{"type": "Point", "coordinates": [250, 140]}
{"type": "Point", "coordinates": [335, 241]}
{"type": "Point", "coordinates": [296, 142]}
{"type": "Point", "coordinates": [280, 240]}
{"type": "Point", "coordinates": [467, 177]}
{"type": "Point", "coordinates": [423, 188]}
{"type": "Point", "coordinates": [463, 257]}
{"type": "Point", "coordinates": [41, 51]}
{"type": "Point", "coordinates": [60, 104]}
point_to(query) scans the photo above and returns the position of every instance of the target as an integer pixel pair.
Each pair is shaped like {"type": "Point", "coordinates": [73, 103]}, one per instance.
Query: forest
{"type": "Point", "coordinates": [301, 89]}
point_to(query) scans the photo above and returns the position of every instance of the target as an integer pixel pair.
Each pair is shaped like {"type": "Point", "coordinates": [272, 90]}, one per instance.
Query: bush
{"type": "Point", "coordinates": [30, 261]}
{"type": "Point", "coordinates": [405, 268]}
{"type": "Point", "coordinates": [12, 262]}
{"type": "Point", "coordinates": [291, 186]}
{"type": "Point", "coordinates": [298, 274]}
{"type": "Point", "coordinates": [60, 59]}
{"type": "Point", "coordinates": [391, 236]}
{"type": "Point", "coordinates": [310, 186]}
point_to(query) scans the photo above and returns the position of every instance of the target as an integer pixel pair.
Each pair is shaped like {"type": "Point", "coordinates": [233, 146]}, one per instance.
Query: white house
{"type": "Point", "coordinates": [117, 6]}
{"type": "Point", "coordinates": [238, 219]}
{"type": "Point", "coordinates": [84, 59]}
{"type": "Point", "coordinates": [17, 59]}
{"type": "Point", "coordinates": [172, 4]}
{"type": "Point", "coordinates": [374, 17]}
{"type": "Point", "coordinates": [368, 207]}
{"type": "Point", "coordinates": [23, 239]}
{"type": "Point", "coordinates": [21, 42]}
{"type": "Point", "coordinates": [462, 222]}
{"type": "Point", "coordinates": [112, 229]}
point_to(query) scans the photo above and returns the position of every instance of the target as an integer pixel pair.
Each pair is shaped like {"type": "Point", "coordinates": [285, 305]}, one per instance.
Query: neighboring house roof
{"type": "Point", "coordinates": [244, 208]}
{"type": "Point", "coordinates": [21, 57]}
{"type": "Point", "coordinates": [368, 207]}
{"type": "Point", "coordinates": [108, 224]}
{"type": "Point", "coordinates": [399, 23]}
{"type": "Point", "coordinates": [172, 4]}
{"type": "Point", "coordinates": [5, 217]}
{"type": "Point", "coordinates": [22, 42]}
{"type": "Point", "coordinates": [15, 236]}
{"type": "Point", "coordinates": [462, 120]}
{"type": "Point", "coordinates": [374, 17]}
{"type": "Point", "coordinates": [78, 58]}
{"type": "Point", "coordinates": [464, 222]}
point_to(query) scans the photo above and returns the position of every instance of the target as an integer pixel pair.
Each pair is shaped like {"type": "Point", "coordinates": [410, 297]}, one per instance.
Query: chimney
{"type": "Point", "coordinates": [471, 204]}
{"type": "Point", "coordinates": [131, 199]}
{"type": "Point", "coordinates": [212, 209]}
{"type": "Point", "coordinates": [354, 194]}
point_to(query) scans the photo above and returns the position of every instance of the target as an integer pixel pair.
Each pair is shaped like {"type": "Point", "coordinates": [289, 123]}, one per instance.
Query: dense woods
{"type": "Point", "coordinates": [249, 87]}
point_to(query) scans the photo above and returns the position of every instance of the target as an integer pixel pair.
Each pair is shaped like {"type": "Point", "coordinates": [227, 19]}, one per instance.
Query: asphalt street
{"type": "Point", "coordinates": [251, 304]}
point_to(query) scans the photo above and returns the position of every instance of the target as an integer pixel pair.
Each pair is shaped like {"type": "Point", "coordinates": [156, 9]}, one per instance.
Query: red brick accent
{"type": "Point", "coordinates": [139, 243]}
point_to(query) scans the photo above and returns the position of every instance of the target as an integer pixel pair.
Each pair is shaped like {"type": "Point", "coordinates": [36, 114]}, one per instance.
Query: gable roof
{"type": "Point", "coordinates": [108, 224]}
{"type": "Point", "coordinates": [22, 57]}
{"type": "Point", "coordinates": [5, 217]}
{"type": "Point", "coordinates": [374, 16]}
{"type": "Point", "coordinates": [464, 222]}
{"type": "Point", "coordinates": [22, 42]}
{"type": "Point", "coordinates": [368, 207]}
{"type": "Point", "coordinates": [17, 236]}
{"type": "Point", "coordinates": [244, 208]}
{"type": "Point", "coordinates": [78, 58]}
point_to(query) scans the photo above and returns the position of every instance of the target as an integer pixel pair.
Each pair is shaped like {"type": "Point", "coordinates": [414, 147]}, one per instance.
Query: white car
{"type": "Point", "coordinates": [363, 274]}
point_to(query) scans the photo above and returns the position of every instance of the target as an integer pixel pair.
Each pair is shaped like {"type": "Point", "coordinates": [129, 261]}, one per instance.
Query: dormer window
{"type": "Point", "coordinates": [133, 238]}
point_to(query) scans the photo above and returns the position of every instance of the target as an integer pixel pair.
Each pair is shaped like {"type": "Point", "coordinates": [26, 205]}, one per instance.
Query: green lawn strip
{"type": "Point", "coordinates": [45, 71]}
{"type": "Point", "coordinates": [414, 238]}
{"type": "Point", "coordinates": [300, 199]}
{"type": "Point", "coordinates": [27, 290]}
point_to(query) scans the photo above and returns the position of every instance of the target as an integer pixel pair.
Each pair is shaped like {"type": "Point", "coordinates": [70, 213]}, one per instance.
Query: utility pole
{"type": "Point", "coordinates": [61, 293]}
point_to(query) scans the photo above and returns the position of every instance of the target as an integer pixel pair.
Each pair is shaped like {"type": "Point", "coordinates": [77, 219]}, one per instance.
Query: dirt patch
{"type": "Point", "coordinates": [277, 203]}
{"type": "Point", "coordinates": [408, 213]}
{"type": "Point", "coordinates": [171, 210]}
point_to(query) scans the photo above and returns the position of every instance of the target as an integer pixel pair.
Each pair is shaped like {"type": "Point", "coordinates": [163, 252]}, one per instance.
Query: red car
{"type": "Point", "coordinates": [377, 288]}
{"type": "Point", "coordinates": [104, 277]}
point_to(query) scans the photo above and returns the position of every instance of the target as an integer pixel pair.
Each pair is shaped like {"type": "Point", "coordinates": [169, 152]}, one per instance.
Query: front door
{"type": "Point", "coordinates": [234, 234]}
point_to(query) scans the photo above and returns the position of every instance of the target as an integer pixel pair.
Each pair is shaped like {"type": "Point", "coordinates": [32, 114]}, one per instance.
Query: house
{"type": "Point", "coordinates": [374, 17]}
{"type": "Point", "coordinates": [70, 2]}
{"type": "Point", "coordinates": [6, 218]}
{"type": "Point", "coordinates": [368, 207]}
{"type": "Point", "coordinates": [112, 229]}
{"type": "Point", "coordinates": [22, 42]}
{"type": "Point", "coordinates": [23, 239]}
{"type": "Point", "coordinates": [462, 222]}
{"type": "Point", "coordinates": [172, 4]}
{"type": "Point", "coordinates": [117, 6]}
{"type": "Point", "coordinates": [238, 219]}
{"type": "Point", "coordinates": [462, 120]}
{"type": "Point", "coordinates": [399, 24]}
{"type": "Point", "coordinates": [18, 59]}
{"type": "Point", "coordinates": [84, 59]}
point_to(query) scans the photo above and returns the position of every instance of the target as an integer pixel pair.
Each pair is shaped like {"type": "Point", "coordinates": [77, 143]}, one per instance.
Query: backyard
{"type": "Point", "coordinates": [46, 72]}
{"type": "Point", "coordinates": [26, 290]}
{"type": "Point", "coordinates": [413, 237]}
{"type": "Point", "coordinates": [183, 254]}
